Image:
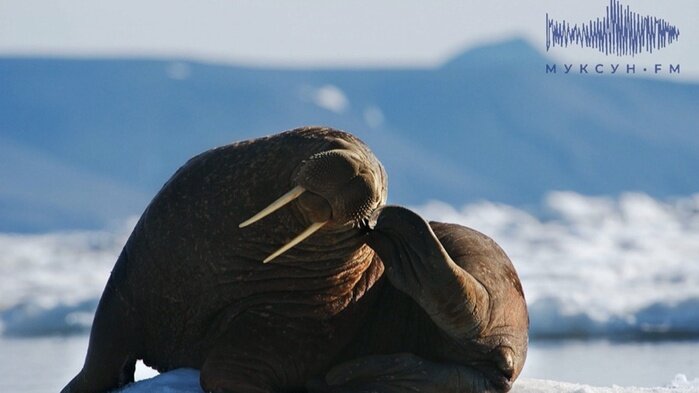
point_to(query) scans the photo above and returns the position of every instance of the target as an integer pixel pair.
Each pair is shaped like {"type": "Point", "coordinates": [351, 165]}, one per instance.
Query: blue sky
{"type": "Point", "coordinates": [317, 33]}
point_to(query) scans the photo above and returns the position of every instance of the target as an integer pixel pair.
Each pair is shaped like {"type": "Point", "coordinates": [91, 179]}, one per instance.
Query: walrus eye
{"type": "Point", "coordinates": [276, 205]}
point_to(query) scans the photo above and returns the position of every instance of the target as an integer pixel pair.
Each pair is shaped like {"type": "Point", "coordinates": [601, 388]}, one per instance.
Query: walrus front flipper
{"type": "Point", "coordinates": [418, 265]}
{"type": "Point", "coordinates": [402, 372]}
{"type": "Point", "coordinates": [464, 282]}
{"type": "Point", "coordinates": [111, 355]}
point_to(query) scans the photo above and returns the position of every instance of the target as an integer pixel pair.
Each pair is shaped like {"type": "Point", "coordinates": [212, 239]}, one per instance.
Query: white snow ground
{"type": "Point", "coordinates": [187, 381]}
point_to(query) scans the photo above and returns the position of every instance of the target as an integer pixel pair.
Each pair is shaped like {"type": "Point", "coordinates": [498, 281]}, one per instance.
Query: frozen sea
{"type": "Point", "coordinates": [612, 286]}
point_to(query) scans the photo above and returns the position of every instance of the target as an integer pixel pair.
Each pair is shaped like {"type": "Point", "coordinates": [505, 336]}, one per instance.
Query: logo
{"type": "Point", "coordinates": [620, 32]}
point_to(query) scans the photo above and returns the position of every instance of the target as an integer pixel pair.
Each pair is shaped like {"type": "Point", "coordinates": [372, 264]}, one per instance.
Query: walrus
{"type": "Point", "coordinates": [274, 265]}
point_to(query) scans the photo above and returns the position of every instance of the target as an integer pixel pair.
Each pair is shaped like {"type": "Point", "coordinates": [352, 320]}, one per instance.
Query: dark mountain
{"type": "Point", "coordinates": [85, 142]}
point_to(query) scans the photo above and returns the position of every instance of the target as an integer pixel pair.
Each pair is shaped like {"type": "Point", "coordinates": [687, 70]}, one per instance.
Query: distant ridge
{"type": "Point", "coordinates": [517, 51]}
{"type": "Point", "coordinates": [488, 124]}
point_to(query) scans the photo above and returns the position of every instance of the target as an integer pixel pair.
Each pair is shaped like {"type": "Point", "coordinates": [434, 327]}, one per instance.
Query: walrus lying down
{"type": "Point", "coordinates": [272, 265]}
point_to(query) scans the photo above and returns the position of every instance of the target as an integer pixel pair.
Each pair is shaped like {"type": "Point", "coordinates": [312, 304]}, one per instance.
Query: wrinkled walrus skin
{"type": "Point", "coordinates": [373, 299]}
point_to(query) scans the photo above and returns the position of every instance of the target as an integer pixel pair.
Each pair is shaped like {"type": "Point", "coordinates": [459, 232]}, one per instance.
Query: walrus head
{"type": "Point", "coordinates": [339, 187]}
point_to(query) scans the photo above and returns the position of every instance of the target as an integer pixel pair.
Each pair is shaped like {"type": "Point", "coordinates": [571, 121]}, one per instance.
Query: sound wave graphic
{"type": "Point", "coordinates": [621, 32]}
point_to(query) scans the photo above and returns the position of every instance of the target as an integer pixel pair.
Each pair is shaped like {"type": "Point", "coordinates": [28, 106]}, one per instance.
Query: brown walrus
{"type": "Point", "coordinates": [356, 296]}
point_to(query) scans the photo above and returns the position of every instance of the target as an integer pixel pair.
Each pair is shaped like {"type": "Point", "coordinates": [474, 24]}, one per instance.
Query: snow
{"type": "Point", "coordinates": [182, 380]}
{"type": "Point", "coordinates": [598, 266]}
{"type": "Point", "coordinates": [679, 384]}
{"type": "Point", "coordinates": [590, 266]}
{"type": "Point", "coordinates": [178, 70]}
{"type": "Point", "coordinates": [373, 116]}
{"type": "Point", "coordinates": [328, 97]}
{"type": "Point", "coordinates": [50, 283]}
{"type": "Point", "coordinates": [187, 381]}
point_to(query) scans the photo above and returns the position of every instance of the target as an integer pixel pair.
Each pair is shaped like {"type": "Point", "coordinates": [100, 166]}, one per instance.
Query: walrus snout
{"type": "Point", "coordinates": [329, 170]}
{"type": "Point", "coordinates": [339, 186]}
{"type": "Point", "coordinates": [345, 180]}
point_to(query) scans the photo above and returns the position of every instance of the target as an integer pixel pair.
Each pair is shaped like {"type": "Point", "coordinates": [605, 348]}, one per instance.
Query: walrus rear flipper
{"type": "Point", "coordinates": [402, 372]}
{"type": "Point", "coordinates": [111, 355]}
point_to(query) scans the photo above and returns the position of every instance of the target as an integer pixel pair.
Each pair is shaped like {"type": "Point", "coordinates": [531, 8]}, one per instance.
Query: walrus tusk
{"type": "Point", "coordinates": [298, 239]}
{"type": "Point", "coordinates": [274, 206]}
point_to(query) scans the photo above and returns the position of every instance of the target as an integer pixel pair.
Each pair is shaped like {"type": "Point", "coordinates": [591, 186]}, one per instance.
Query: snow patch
{"type": "Point", "coordinates": [328, 97]}
{"type": "Point", "coordinates": [182, 380]}
{"type": "Point", "coordinates": [373, 116]}
{"type": "Point", "coordinates": [178, 70]}
{"type": "Point", "coordinates": [680, 384]}
{"type": "Point", "coordinates": [681, 381]}
{"type": "Point", "coordinates": [50, 283]}
{"type": "Point", "coordinates": [187, 381]}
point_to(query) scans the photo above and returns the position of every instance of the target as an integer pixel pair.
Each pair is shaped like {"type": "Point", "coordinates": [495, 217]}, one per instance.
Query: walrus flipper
{"type": "Point", "coordinates": [111, 356]}
{"type": "Point", "coordinates": [464, 282]}
{"type": "Point", "coordinates": [418, 265]}
{"type": "Point", "coordinates": [399, 373]}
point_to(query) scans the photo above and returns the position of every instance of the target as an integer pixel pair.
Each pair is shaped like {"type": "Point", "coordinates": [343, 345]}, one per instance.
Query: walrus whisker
{"type": "Point", "coordinates": [298, 239]}
{"type": "Point", "coordinates": [274, 206]}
